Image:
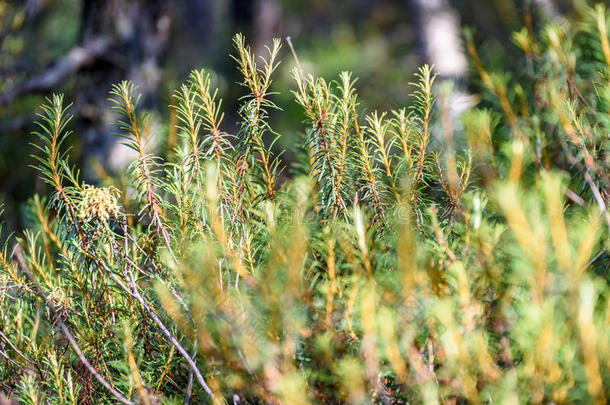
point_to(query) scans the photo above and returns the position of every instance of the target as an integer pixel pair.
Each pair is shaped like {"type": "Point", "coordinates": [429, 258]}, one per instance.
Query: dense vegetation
{"type": "Point", "coordinates": [411, 256]}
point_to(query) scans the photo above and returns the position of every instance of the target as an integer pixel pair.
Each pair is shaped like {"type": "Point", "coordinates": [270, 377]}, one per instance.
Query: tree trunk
{"type": "Point", "coordinates": [138, 32]}
{"type": "Point", "coordinates": [439, 28]}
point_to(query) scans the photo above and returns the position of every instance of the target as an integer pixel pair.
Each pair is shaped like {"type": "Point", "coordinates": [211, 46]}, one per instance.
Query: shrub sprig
{"type": "Point", "coordinates": [414, 261]}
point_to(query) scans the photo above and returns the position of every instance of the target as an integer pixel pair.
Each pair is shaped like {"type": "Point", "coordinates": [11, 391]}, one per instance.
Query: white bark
{"type": "Point", "coordinates": [439, 26]}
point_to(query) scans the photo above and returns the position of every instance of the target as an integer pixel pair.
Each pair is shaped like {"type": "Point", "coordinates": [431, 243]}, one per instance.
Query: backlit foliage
{"type": "Point", "coordinates": [415, 257]}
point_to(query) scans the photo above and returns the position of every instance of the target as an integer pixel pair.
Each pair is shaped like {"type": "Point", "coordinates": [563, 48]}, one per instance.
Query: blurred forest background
{"type": "Point", "coordinates": [82, 47]}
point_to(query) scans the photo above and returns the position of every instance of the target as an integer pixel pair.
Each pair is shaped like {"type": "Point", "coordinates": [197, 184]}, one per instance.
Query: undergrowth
{"type": "Point", "coordinates": [408, 256]}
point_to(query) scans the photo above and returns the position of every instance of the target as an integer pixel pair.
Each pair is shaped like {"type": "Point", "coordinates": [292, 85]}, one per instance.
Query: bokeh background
{"type": "Point", "coordinates": [82, 47]}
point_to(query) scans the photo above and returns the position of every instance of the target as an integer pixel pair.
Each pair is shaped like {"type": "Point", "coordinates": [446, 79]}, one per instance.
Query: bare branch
{"type": "Point", "coordinates": [601, 204]}
{"type": "Point", "coordinates": [73, 61]}
{"type": "Point", "coordinates": [132, 289]}
{"type": "Point", "coordinates": [18, 253]}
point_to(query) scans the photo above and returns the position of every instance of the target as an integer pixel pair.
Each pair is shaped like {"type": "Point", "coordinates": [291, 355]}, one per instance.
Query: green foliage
{"type": "Point", "coordinates": [414, 260]}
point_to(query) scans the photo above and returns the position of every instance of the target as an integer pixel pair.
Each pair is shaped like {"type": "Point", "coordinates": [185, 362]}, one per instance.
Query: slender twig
{"type": "Point", "coordinates": [88, 365]}
{"type": "Point", "coordinates": [294, 54]}
{"type": "Point", "coordinates": [592, 186]}
{"type": "Point", "coordinates": [132, 289]}
{"type": "Point", "coordinates": [157, 277]}
{"type": "Point", "coordinates": [575, 197]}
{"type": "Point", "coordinates": [14, 348]}
{"type": "Point", "coordinates": [58, 319]}
{"type": "Point", "coordinates": [578, 93]}
{"type": "Point", "coordinates": [170, 337]}
{"type": "Point", "coordinates": [7, 358]}
{"type": "Point", "coordinates": [189, 387]}
{"type": "Point", "coordinates": [597, 256]}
